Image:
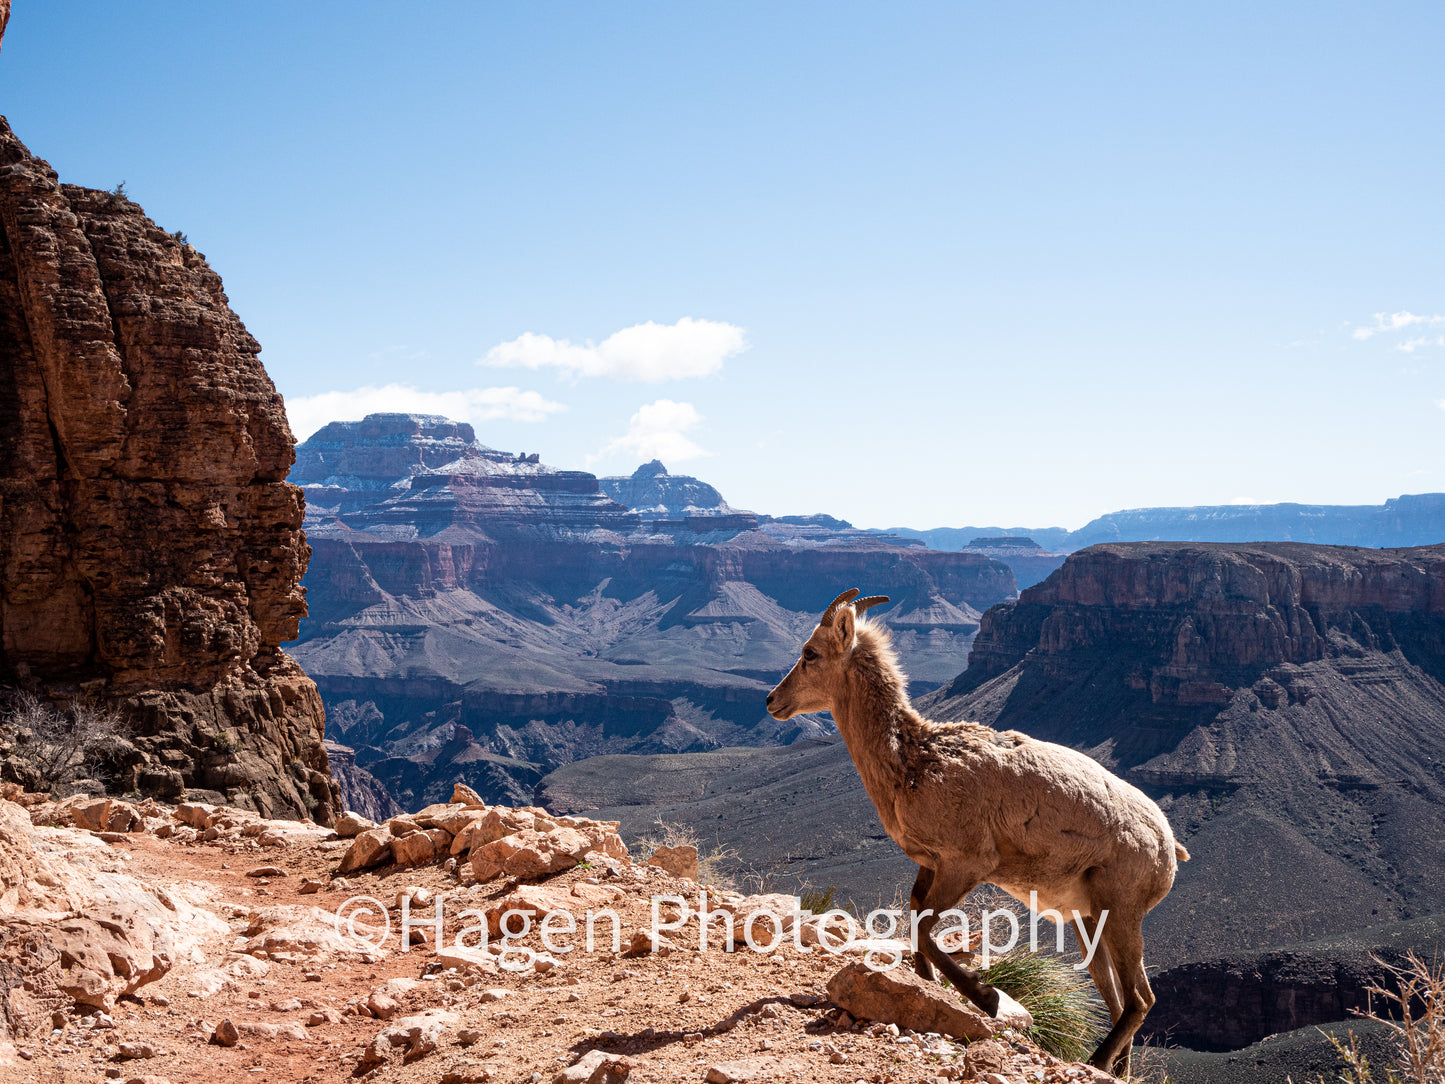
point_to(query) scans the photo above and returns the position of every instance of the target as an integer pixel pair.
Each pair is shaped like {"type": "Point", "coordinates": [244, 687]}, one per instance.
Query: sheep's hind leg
{"type": "Point", "coordinates": [915, 904]}
{"type": "Point", "coordinates": [945, 891]}
{"type": "Point", "coordinates": [1125, 942]}
{"type": "Point", "coordinates": [1099, 968]}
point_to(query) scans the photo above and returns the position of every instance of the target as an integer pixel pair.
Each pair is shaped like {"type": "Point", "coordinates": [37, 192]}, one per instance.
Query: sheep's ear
{"type": "Point", "coordinates": [843, 626]}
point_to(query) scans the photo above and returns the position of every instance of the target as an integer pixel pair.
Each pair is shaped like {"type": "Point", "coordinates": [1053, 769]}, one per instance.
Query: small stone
{"type": "Point", "coordinates": [127, 1051]}
{"type": "Point", "coordinates": [290, 1004]}
{"type": "Point", "coordinates": [383, 1007]}
{"type": "Point", "coordinates": [266, 871]}
{"type": "Point", "coordinates": [468, 1036]}
{"type": "Point", "coordinates": [226, 1034]}
{"type": "Point", "coordinates": [309, 886]}
{"type": "Point", "coordinates": [467, 1073]}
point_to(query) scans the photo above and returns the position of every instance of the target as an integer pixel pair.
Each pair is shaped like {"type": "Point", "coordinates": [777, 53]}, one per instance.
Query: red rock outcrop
{"type": "Point", "coordinates": [151, 550]}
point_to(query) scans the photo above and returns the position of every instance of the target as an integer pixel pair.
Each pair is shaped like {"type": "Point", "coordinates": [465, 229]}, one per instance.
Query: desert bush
{"type": "Point", "coordinates": [1413, 1014]}
{"type": "Point", "coordinates": [817, 900]}
{"type": "Point", "coordinates": [713, 864]}
{"type": "Point", "coordinates": [62, 746]}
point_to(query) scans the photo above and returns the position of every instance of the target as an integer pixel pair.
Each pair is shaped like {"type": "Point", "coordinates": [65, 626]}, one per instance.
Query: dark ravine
{"type": "Point", "coordinates": [151, 550]}
{"type": "Point", "coordinates": [477, 615]}
{"type": "Point", "coordinates": [361, 791]}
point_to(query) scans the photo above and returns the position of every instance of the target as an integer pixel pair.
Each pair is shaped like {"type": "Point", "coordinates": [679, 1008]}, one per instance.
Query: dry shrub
{"type": "Point", "coordinates": [62, 746]}
{"type": "Point", "coordinates": [713, 865]}
{"type": "Point", "coordinates": [1413, 1015]}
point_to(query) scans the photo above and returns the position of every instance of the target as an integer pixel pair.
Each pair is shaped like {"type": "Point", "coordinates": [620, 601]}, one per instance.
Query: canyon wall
{"type": "Point", "coordinates": [477, 615]}
{"type": "Point", "coordinates": [151, 550]}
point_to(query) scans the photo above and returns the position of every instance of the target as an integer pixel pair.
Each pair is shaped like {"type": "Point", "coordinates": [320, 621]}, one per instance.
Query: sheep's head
{"type": "Point", "coordinates": [817, 677]}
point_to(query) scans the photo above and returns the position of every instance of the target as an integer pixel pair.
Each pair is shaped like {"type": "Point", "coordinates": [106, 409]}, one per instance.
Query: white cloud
{"type": "Point", "coordinates": [1396, 321]}
{"type": "Point", "coordinates": [1409, 346]}
{"type": "Point", "coordinates": [309, 413]}
{"type": "Point", "coordinates": [648, 352]}
{"type": "Point", "coordinates": [656, 432]}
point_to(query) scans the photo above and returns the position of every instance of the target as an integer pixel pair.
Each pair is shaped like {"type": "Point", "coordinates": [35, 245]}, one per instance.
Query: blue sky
{"type": "Point", "coordinates": [939, 264]}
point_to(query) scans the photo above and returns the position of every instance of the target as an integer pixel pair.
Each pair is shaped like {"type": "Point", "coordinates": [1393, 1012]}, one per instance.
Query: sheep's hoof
{"type": "Point", "coordinates": [990, 1001]}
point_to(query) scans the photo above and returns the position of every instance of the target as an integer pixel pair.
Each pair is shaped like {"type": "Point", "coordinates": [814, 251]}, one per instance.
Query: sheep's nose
{"type": "Point", "coordinates": [768, 703]}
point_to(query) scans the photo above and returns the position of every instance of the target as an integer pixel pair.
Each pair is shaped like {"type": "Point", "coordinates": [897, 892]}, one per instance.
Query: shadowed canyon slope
{"type": "Point", "coordinates": [150, 547]}
{"type": "Point", "coordinates": [478, 615]}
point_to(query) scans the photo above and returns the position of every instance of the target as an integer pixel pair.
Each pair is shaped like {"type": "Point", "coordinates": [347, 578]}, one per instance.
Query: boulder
{"type": "Point", "coordinates": [678, 861]}
{"type": "Point", "coordinates": [419, 1034]}
{"type": "Point", "coordinates": [350, 825]}
{"type": "Point", "coordinates": [532, 900]}
{"type": "Point", "coordinates": [413, 849]}
{"type": "Point", "coordinates": [530, 854]}
{"type": "Point", "coordinates": [901, 997]}
{"type": "Point", "coordinates": [466, 796]}
{"type": "Point", "coordinates": [464, 959]}
{"type": "Point", "coordinates": [91, 813]}
{"type": "Point", "coordinates": [595, 1067]}
{"type": "Point", "coordinates": [298, 932]}
{"type": "Point", "coordinates": [194, 814]}
{"type": "Point", "coordinates": [370, 848]}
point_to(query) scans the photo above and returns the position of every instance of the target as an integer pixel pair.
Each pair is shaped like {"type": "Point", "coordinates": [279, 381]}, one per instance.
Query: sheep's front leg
{"type": "Point", "coordinates": [915, 903]}
{"type": "Point", "coordinates": [945, 890]}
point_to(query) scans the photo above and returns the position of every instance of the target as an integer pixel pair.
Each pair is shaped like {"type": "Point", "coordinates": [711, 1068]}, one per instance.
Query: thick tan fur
{"type": "Point", "coordinates": [971, 804]}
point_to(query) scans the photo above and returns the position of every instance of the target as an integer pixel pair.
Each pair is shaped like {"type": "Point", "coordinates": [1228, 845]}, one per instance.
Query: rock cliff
{"type": "Point", "coordinates": [652, 492]}
{"type": "Point", "coordinates": [478, 615]}
{"type": "Point", "coordinates": [151, 549]}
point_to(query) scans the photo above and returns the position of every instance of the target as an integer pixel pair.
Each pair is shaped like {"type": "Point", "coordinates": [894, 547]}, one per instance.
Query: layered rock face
{"type": "Point", "coordinates": [652, 492]}
{"type": "Point", "coordinates": [1030, 561]}
{"type": "Point", "coordinates": [487, 618]}
{"type": "Point", "coordinates": [151, 550]}
{"type": "Point", "coordinates": [1285, 703]}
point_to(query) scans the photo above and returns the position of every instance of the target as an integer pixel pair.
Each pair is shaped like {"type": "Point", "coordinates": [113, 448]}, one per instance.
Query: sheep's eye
{"type": "Point", "coordinates": [809, 655]}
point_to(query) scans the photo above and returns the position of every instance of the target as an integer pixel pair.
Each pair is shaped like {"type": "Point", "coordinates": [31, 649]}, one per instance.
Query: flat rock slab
{"type": "Point", "coordinates": [901, 997]}
{"type": "Point", "coordinates": [759, 1068]}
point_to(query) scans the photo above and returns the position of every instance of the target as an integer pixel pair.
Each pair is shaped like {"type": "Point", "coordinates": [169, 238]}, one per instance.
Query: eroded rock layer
{"type": "Point", "coordinates": [151, 549]}
{"type": "Point", "coordinates": [479, 616]}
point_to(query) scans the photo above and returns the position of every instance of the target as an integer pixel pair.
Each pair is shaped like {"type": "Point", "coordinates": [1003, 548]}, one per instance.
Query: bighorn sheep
{"type": "Point", "coordinates": [970, 804]}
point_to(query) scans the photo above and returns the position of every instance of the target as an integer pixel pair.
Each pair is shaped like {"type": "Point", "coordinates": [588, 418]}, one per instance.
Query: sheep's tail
{"type": "Point", "coordinates": [1180, 853]}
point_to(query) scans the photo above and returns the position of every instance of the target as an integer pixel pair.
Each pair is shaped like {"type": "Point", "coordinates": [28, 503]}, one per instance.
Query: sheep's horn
{"type": "Point", "coordinates": [847, 596]}
{"type": "Point", "coordinates": [868, 603]}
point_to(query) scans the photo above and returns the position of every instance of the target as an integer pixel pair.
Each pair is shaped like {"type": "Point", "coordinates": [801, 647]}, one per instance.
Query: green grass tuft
{"type": "Point", "coordinates": [817, 900]}
{"type": "Point", "coordinates": [1069, 1019]}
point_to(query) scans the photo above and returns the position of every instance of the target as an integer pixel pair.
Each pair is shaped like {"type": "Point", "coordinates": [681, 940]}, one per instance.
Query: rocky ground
{"type": "Point", "coordinates": [199, 943]}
